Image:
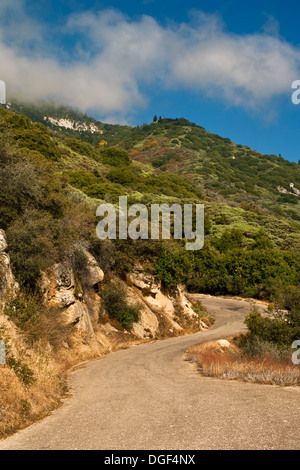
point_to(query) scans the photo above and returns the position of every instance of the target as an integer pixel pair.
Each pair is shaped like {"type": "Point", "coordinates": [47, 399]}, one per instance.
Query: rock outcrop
{"type": "Point", "coordinates": [61, 289]}
{"type": "Point", "coordinates": [162, 313]}
{"type": "Point", "coordinates": [79, 298]}
{"type": "Point", "coordinates": [75, 291]}
{"type": "Point", "coordinates": [8, 284]}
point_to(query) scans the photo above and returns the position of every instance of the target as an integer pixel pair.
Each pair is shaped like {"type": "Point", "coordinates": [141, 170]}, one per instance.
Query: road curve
{"type": "Point", "coordinates": [147, 397]}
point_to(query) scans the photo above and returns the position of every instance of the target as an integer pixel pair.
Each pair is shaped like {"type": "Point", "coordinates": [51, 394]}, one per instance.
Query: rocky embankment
{"type": "Point", "coordinates": [68, 323]}
{"type": "Point", "coordinates": [8, 285]}
{"type": "Point", "coordinates": [79, 302]}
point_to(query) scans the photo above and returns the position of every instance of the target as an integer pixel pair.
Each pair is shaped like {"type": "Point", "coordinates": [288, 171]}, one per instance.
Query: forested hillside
{"type": "Point", "coordinates": [67, 296]}
{"type": "Point", "coordinates": [252, 229]}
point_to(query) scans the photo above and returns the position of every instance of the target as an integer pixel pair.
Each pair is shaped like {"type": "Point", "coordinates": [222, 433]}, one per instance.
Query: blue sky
{"type": "Point", "coordinates": [225, 65]}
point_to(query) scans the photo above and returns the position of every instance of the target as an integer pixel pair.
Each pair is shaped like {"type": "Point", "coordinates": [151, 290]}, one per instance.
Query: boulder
{"type": "Point", "coordinates": [78, 314]}
{"type": "Point", "coordinates": [185, 307]}
{"type": "Point", "coordinates": [148, 325]}
{"type": "Point", "coordinates": [176, 308]}
{"type": "Point", "coordinates": [93, 274]}
{"type": "Point", "coordinates": [8, 285]}
{"type": "Point", "coordinates": [223, 343]}
{"type": "Point", "coordinates": [63, 275]}
{"type": "Point", "coordinates": [62, 298]}
{"type": "Point", "coordinates": [57, 285]}
{"type": "Point", "coordinates": [161, 302]}
{"type": "Point", "coordinates": [143, 281]}
{"type": "Point", "coordinates": [3, 243]}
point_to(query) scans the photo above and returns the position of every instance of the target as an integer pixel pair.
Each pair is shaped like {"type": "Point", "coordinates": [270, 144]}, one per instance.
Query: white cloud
{"type": "Point", "coordinates": [242, 70]}
{"type": "Point", "coordinates": [115, 56]}
{"type": "Point", "coordinates": [17, 28]}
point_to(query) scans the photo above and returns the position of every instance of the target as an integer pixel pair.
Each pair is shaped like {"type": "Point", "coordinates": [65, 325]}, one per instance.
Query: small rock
{"type": "Point", "coordinates": [62, 298]}
{"type": "Point", "coordinates": [3, 243]}
{"type": "Point", "coordinates": [93, 274]}
{"type": "Point", "coordinates": [223, 343]}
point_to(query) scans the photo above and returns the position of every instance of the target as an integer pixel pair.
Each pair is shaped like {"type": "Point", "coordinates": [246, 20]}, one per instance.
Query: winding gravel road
{"type": "Point", "coordinates": [147, 397]}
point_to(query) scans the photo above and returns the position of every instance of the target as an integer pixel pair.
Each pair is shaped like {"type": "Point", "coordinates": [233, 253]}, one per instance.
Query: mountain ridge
{"type": "Point", "coordinates": [222, 170]}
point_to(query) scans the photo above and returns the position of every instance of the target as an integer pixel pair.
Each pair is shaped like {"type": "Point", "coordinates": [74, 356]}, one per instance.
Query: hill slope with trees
{"type": "Point", "coordinates": [251, 228]}
{"type": "Point", "coordinates": [57, 166]}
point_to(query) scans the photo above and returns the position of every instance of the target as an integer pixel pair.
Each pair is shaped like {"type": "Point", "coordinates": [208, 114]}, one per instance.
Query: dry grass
{"type": "Point", "coordinates": [20, 403]}
{"type": "Point", "coordinates": [47, 363]}
{"type": "Point", "coordinates": [33, 380]}
{"type": "Point", "coordinates": [228, 363]}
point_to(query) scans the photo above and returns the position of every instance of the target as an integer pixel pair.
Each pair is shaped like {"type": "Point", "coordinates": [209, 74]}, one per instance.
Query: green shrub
{"type": "Point", "coordinates": [125, 176]}
{"type": "Point", "coordinates": [163, 159]}
{"type": "Point", "coordinates": [229, 240]}
{"type": "Point", "coordinates": [32, 245]}
{"type": "Point", "coordinates": [82, 148]}
{"type": "Point", "coordinates": [37, 138]}
{"type": "Point", "coordinates": [254, 346]}
{"type": "Point", "coordinates": [22, 371]}
{"type": "Point", "coordinates": [26, 307]}
{"type": "Point", "coordinates": [165, 269]}
{"type": "Point", "coordinates": [115, 157]}
{"type": "Point", "coordinates": [117, 307]}
{"type": "Point", "coordinates": [27, 180]}
{"type": "Point", "coordinates": [268, 332]}
{"type": "Point", "coordinates": [173, 266]}
{"type": "Point", "coordinates": [95, 186]}
{"type": "Point", "coordinates": [288, 198]}
{"type": "Point", "coordinates": [79, 261]}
